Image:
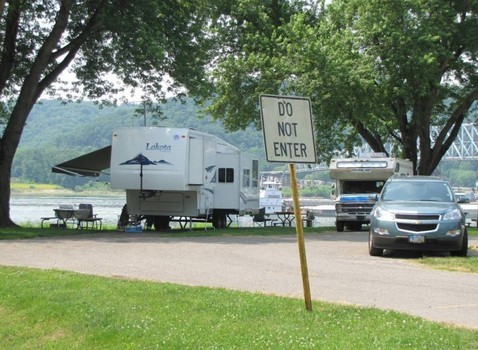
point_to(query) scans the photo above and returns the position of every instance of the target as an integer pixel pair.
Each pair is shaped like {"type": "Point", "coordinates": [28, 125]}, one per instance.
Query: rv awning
{"type": "Point", "coordinates": [90, 164]}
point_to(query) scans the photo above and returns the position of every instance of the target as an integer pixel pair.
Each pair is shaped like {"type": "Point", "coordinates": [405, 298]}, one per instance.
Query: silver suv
{"type": "Point", "coordinates": [417, 213]}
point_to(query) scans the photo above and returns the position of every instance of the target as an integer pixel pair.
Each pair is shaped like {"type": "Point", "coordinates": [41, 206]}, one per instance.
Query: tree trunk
{"type": "Point", "coordinates": [5, 171]}
{"type": "Point", "coordinates": [31, 90]}
{"type": "Point", "coordinates": [8, 147]}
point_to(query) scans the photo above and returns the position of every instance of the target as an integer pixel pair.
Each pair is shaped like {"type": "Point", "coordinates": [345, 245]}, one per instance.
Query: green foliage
{"type": "Point", "coordinates": [323, 191]}
{"type": "Point", "coordinates": [375, 71]}
{"type": "Point", "coordinates": [158, 46]}
{"type": "Point", "coordinates": [463, 178]}
{"type": "Point", "coordinates": [247, 34]}
{"type": "Point", "coordinates": [460, 173]}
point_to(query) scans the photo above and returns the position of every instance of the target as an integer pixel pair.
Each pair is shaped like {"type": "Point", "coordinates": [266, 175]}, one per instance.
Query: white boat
{"type": "Point", "coordinates": [271, 196]}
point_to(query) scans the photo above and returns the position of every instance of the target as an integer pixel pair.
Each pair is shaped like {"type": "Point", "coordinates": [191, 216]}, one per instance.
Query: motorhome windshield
{"type": "Point", "coordinates": [351, 187]}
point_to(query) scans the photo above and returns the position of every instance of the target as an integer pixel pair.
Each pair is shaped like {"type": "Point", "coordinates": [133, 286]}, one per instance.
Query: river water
{"type": "Point", "coordinates": [29, 209]}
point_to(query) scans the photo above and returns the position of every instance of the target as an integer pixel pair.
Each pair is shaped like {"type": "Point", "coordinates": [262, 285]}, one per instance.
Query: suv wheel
{"type": "Point", "coordinates": [371, 249]}
{"type": "Point", "coordinates": [464, 246]}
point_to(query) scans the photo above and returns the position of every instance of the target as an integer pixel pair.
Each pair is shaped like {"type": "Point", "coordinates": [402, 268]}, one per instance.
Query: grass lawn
{"type": "Point", "coordinates": [32, 232]}
{"type": "Point", "coordinates": [22, 187]}
{"type": "Point", "coordinates": [459, 264]}
{"type": "Point", "coordinates": [62, 310]}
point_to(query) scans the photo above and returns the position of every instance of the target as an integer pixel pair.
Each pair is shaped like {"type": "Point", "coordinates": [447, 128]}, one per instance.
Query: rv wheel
{"type": "Point", "coordinates": [161, 222]}
{"type": "Point", "coordinates": [340, 226]}
{"type": "Point", "coordinates": [219, 220]}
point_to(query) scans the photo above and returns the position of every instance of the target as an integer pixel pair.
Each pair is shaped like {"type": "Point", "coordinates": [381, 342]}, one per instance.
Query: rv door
{"type": "Point", "coordinates": [196, 161]}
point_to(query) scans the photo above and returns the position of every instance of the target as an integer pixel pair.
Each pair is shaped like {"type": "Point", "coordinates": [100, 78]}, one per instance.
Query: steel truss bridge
{"type": "Point", "coordinates": [464, 147]}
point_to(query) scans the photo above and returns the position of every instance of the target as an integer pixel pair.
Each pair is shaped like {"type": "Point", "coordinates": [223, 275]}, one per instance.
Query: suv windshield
{"type": "Point", "coordinates": [417, 191]}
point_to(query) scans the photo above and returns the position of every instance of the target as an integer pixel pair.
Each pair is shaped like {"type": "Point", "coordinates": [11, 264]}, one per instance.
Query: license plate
{"type": "Point", "coordinates": [360, 218]}
{"type": "Point", "coordinates": [416, 239]}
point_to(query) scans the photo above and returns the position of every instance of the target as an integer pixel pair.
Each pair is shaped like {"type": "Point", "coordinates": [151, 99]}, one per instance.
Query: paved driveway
{"type": "Point", "coordinates": [340, 269]}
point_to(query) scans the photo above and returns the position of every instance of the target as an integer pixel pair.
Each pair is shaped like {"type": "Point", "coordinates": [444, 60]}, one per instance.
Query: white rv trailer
{"type": "Point", "coordinates": [358, 181]}
{"type": "Point", "coordinates": [179, 172]}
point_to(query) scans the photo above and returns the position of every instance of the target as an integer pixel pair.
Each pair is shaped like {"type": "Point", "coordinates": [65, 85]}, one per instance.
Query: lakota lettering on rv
{"type": "Point", "coordinates": [158, 147]}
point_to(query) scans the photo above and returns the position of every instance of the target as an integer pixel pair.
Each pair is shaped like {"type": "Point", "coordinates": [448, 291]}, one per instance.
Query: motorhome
{"type": "Point", "coordinates": [357, 182]}
{"type": "Point", "coordinates": [177, 172]}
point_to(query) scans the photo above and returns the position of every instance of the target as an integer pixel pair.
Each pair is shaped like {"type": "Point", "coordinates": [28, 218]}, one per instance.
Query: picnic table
{"type": "Point", "coordinates": [285, 217]}
{"type": "Point", "coordinates": [68, 215]}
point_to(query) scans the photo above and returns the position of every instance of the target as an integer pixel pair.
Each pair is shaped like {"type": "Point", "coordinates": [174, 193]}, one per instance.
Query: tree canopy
{"type": "Point", "coordinates": [155, 45]}
{"type": "Point", "coordinates": [382, 71]}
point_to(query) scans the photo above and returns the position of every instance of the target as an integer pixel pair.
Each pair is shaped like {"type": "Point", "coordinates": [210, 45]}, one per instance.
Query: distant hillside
{"type": "Point", "coordinates": [56, 132]}
{"type": "Point", "coordinates": [85, 125]}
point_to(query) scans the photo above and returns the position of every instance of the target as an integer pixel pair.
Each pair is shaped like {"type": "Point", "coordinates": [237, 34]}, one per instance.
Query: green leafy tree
{"type": "Point", "coordinates": [143, 42]}
{"type": "Point", "coordinates": [462, 178]}
{"type": "Point", "coordinates": [379, 71]}
{"type": "Point", "coordinates": [460, 173]}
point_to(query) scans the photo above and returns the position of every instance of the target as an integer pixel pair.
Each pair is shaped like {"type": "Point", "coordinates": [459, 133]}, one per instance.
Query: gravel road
{"type": "Point", "coordinates": [339, 268]}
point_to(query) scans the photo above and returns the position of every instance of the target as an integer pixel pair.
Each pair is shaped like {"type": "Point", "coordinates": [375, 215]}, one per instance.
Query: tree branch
{"type": "Point", "coordinates": [71, 49]}
{"type": "Point", "coordinates": [373, 140]}
{"type": "Point", "coordinates": [9, 43]}
{"type": "Point", "coordinates": [30, 87]}
{"type": "Point", "coordinates": [44, 53]}
{"type": "Point", "coordinates": [457, 117]}
{"type": "Point", "coordinates": [92, 26]}
{"type": "Point", "coordinates": [2, 6]}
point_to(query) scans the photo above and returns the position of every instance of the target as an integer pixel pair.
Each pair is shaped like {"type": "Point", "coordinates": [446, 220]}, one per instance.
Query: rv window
{"type": "Point", "coordinates": [226, 175]}
{"type": "Point", "coordinates": [255, 173]}
{"type": "Point", "coordinates": [362, 164]}
{"type": "Point", "coordinates": [246, 175]}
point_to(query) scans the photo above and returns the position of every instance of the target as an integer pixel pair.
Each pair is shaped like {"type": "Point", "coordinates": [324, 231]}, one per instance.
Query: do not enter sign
{"type": "Point", "coordinates": [287, 128]}
{"type": "Point", "coordinates": [289, 138]}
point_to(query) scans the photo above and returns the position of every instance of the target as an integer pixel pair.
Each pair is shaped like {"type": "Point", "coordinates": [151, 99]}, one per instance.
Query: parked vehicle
{"type": "Point", "coordinates": [271, 195]}
{"type": "Point", "coordinates": [175, 172]}
{"type": "Point", "coordinates": [417, 213]}
{"type": "Point", "coordinates": [357, 182]}
{"type": "Point", "coordinates": [462, 197]}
